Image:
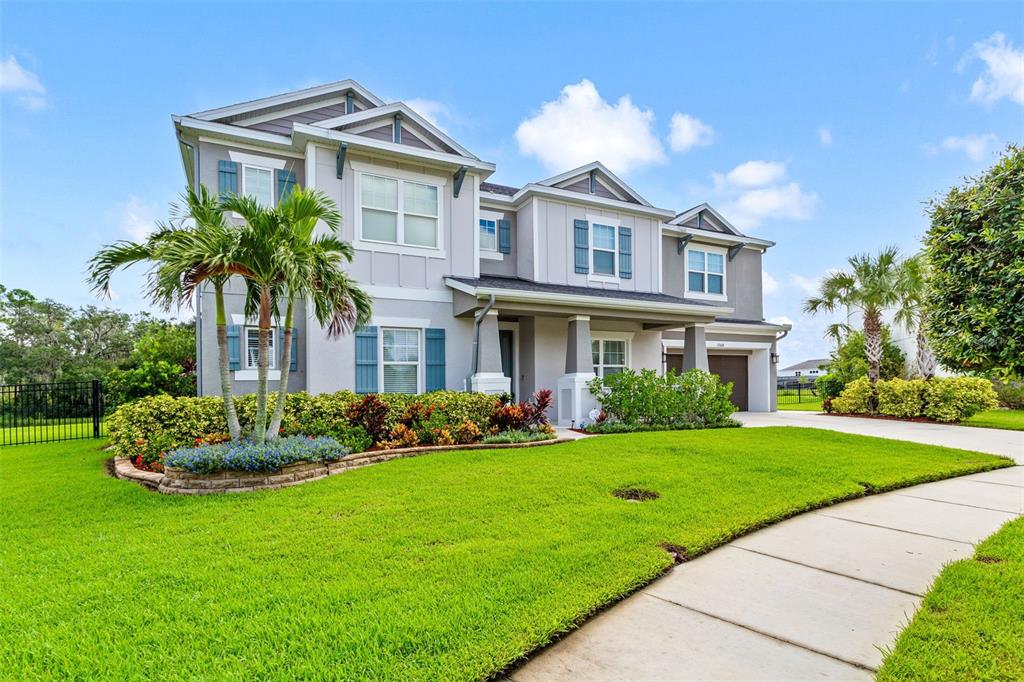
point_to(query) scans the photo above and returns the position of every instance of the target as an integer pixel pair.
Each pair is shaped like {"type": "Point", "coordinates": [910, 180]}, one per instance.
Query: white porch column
{"type": "Point", "coordinates": [574, 400]}
{"type": "Point", "coordinates": [489, 378]}
{"type": "Point", "coordinates": [695, 351]}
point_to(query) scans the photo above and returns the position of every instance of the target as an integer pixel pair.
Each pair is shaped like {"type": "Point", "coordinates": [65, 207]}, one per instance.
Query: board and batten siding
{"type": "Point", "coordinates": [556, 245]}
{"type": "Point", "coordinates": [742, 278]}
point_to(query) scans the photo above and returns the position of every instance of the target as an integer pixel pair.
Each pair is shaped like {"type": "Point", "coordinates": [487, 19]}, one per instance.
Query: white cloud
{"type": "Point", "coordinates": [137, 219]}
{"type": "Point", "coordinates": [580, 126]}
{"type": "Point", "coordinates": [976, 147]}
{"type": "Point", "coordinates": [752, 207]}
{"type": "Point", "coordinates": [1004, 71]}
{"type": "Point", "coordinates": [25, 85]}
{"type": "Point", "coordinates": [769, 285]}
{"type": "Point", "coordinates": [688, 132]}
{"type": "Point", "coordinates": [825, 137]}
{"type": "Point", "coordinates": [432, 110]}
{"type": "Point", "coordinates": [756, 174]}
{"type": "Point", "coordinates": [807, 285]}
{"type": "Point", "coordinates": [780, 319]}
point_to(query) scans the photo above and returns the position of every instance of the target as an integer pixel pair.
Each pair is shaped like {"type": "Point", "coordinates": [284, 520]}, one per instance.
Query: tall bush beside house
{"type": "Point", "coordinates": [975, 253]}
{"type": "Point", "coordinates": [692, 399]}
{"type": "Point", "coordinates": [855, 399]}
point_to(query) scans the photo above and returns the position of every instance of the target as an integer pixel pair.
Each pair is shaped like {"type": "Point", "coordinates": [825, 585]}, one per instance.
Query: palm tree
{"type": "Point", "coordinates": [911, 313]}
{"type": "Point", "coordinates": [196, 245]}
{"type": "Point", "coordinates": [315, 274]}
{"type": "Point", "coordinates": [283, 260]}
{"type": "Point", "coordinates": [872, 284]}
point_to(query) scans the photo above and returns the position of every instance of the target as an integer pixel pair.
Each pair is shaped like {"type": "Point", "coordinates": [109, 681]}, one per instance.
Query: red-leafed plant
{"type": "Point", "coordinates": [370, 413]}
{"type": "Point", "coordinates": [531, 414]}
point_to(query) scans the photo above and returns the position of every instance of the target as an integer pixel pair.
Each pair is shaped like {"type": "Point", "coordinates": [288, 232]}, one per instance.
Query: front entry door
{"type": "Point", "coordinates": [506, 344]}
{"type": "Point", "coordinates": [732, 368]}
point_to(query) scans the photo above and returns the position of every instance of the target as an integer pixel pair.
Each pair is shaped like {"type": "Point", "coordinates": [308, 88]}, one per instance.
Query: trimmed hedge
{"type": "Point", "coordinates": [158, 424]}
{"type": "Point", "coordinates": [950, 399]}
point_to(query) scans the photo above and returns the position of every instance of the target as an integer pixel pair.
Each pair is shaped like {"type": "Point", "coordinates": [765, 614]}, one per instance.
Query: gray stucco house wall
{"type": "Point", "coordinates": [562, 278]}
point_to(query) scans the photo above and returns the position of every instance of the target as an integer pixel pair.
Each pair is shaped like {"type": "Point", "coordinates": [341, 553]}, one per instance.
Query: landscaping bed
{"type": "Point", "coordinates": [452, 566]}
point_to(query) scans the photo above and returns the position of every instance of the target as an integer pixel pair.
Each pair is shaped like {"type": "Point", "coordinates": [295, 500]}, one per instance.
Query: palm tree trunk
{"type": "Point", "coordinates": [873, 344]}
{"type": "Point", "coordinates": [273, 431]}
{"type": "Point", "coordinates": [259, 429]}
{"type": "Point", "coordinates": [234, 428]}
{"type": "Point", "coordinates": [925, 359]}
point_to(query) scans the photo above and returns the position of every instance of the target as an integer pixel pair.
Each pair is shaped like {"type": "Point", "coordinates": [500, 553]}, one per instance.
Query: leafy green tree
{"type": "Point", "coordinates": [849, 362]}
{"type": "Point", "coordinates": [197, 245]}
{"type": "Point", "coordinates": [282, 261]}
{"type": "Point", "coordinates": [870, 286]}
{"type": "Point", "coordinates": [975, 250]}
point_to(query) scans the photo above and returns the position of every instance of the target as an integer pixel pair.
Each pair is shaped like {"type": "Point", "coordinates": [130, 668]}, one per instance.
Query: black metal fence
{"type": "Point", "coordinates": [44, 413]}
{"type": "Point", "coordinates": [797, 393]}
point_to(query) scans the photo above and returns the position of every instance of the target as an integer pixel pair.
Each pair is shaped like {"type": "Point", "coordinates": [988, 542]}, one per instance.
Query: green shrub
{"type": "Point", "coordinates": [1010, 394]}
{"type": "Point", "coordinates": [158, 377]}
{"type": "Point", "coordinates": [137, 427]}
{"type": "Point", "coordinates": [829, 386]}
{"type": "Point", "coordinates": [901, 398]}
{"type": "Point", "coordinates": [516, 437]}
{"type": "Point", "coordinates": [693, 398]}
{"type": "Point", "coordinates": [609, 427]}
{"type": "Point", "coordinates": [954, 399]}
{"type": "Point", "coordinates": [855, 398]}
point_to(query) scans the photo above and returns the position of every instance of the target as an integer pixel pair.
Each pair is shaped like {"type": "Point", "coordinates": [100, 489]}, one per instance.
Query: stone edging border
{"type": "Point", "coordinates": [178, 482]}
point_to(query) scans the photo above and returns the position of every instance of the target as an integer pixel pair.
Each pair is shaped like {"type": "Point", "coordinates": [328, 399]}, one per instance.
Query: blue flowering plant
{"type": "Point", "coordinates": [248, 456]}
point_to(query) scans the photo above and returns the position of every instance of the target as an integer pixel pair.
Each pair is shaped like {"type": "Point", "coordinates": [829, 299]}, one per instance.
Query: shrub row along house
{"type": "Point", "coordinates": [480, 286]}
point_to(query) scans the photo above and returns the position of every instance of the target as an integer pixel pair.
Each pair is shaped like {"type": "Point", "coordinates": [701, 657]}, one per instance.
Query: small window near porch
{"type": "Point", "coordinates": [252, 348]}
{"type": "Point", "coordinates": [609, 356]}
{"type": "Point", "coordinates": [401, 365]}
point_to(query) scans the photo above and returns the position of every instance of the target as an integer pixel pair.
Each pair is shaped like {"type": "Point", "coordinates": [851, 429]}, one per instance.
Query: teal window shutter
{"type": "Point", "coordinates": [295, 349]}
{"type": "Point", "coordinates": [504, 236]}
{"type": "Point", "coordinates": [435, 360]}
{"type": "Point", "coordinates": [285, 183]}
{"type": "Point", "coordinates": [582, 241]}
{"type": "Point", "coordinates": [625, 252]}
{"type": "Point", "coordinates": [227, 177]}
{"type": "Point", "coordinates": [234, 347]}
{"type": "Point", "coordinates": [366, 360]}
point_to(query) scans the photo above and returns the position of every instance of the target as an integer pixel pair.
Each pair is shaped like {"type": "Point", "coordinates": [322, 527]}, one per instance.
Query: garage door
{"type": "Point", "coordinates": [732, 368]}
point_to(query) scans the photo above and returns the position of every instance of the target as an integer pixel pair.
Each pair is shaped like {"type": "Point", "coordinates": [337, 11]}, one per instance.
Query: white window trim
{"type": "Point", "coordinates": [401, 177]}
{"type": "Point", "coordinates": [614, 224]}
{"type": "Point", "coordinates": [601, 337]}
{"type": "Point", "coordinates": [254, 160]}
{"type": "Point", "coordinates": [420, 362]}
{"type": "Point", "coordinates": [724, 296]}
{"type": "Point", "coordinates": [484, 252]}
{"type": "Point", "coordinates": [245, 347]}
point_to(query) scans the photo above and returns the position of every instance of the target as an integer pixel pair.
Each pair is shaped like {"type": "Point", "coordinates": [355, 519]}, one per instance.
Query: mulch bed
{"type": "Point", "coordinates": [919, 420]}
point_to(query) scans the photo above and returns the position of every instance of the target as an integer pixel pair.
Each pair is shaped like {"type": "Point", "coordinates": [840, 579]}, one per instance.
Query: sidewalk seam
{"type": "Point", "coordinates": [958, 504]}
{"type": "Point", "coordinates": [901, 530]}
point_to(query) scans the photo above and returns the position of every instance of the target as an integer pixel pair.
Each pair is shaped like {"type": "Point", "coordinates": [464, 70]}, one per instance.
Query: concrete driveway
{"type": "Point", "coordinates": [819, 596]}
{"type": "Point", "coordinates": [994, 441]}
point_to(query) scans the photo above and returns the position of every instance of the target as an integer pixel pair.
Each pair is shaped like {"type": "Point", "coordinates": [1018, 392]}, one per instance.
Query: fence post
{"type": "Point", "coordinates": [799, 395]}
{"type": "Point", "coordinates": [96, 411]}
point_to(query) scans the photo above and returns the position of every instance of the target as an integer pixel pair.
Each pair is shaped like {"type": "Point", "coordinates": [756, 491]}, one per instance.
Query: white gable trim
{"type": "Point", "coordinates": [595, 166]}
{"type": "Point", "coordinates": [283, 113]}
{"type": "Point", "coordinates": [696, 210]}
{"type": "Point", "coordinates": [284, 98]}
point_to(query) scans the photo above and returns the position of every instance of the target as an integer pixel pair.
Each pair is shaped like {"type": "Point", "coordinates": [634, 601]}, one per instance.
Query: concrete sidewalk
{"type": "Point", "coordinates": [818, 596]}
{"type": "Point", "coordinates": [993, 441]}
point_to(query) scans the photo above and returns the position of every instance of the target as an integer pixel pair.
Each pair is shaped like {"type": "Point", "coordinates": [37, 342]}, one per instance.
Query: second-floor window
{"type": "Point", "coordinates": [603, 249]}
{"type": "Point", "coordinates": [705, 271]}
{"type": "Point", "coordinates": [488, 235]}
{"type": "Point", "coordinates": [398, 211]}
{"type": "Point", "coordinates": [258, 183]}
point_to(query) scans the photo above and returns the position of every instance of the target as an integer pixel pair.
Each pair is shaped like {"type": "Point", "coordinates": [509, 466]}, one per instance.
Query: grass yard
{"type": "Point", "coordinates": [806, 406]}
{"type": "Point", "coordinates": [998, 419]}
{"type": "Point", "coordinates": [971, 624]}
{"type": "Point", "coordinates": [445, 566]}
{"type": "Point", "coordinates": [72, 429]}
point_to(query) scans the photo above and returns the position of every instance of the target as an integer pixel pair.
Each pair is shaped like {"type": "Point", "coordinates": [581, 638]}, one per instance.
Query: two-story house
{"type": "Point", "coordinates": [480, 286]}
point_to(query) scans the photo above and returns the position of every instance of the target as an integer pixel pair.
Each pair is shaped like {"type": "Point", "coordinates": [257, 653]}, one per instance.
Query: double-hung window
{"type": "Point", "coordinates": [258, 183]}
{"type": "Point", "coordinates": [603, 249]}
{"type": "Point", "coordinates": [488, 235]}
{"type": "Point", "coordinates": [398, 211]}
{"type": "Point", "coordinates": [401, 360]}
{"type": "Point", "coordinates": [705, 272]}
{"type": "Point", "coordinates": [609, 356]}
{"type": "Point", "coordinates": [252, 348]}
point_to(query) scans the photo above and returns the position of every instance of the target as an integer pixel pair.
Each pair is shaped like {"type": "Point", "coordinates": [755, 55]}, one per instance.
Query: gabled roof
{"type": "Point", "coordinates": [807, 364]}
{"type": "Point", "coordinates": [387, 112]}
{"type": "Point", "coordinates": [614, 184]}
{"type": "Point", "coordinates": [254, 107]}
{"type": "Point", "coordinates": [696, 211]}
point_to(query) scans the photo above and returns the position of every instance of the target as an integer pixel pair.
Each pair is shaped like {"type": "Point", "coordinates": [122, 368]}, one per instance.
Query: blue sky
{"type": "Point", "coordinates": [853, 115]}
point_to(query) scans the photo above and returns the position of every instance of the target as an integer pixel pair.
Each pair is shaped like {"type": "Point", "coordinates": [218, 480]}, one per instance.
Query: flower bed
{"type": "Point", "coordinates": [271, 456]}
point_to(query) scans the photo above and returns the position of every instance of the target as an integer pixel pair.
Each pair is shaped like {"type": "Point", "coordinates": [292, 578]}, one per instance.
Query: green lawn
{"type": "Point", "coordinates": [76, 429]}
{"type": "Point", "coordinates": [445, 566]}
{"type": "Point", "coordinates": [971, 624]}
{"type": "Point", "coordinates": [806, 406]}
{"type": "Point", "coordinates": [998, 419]}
